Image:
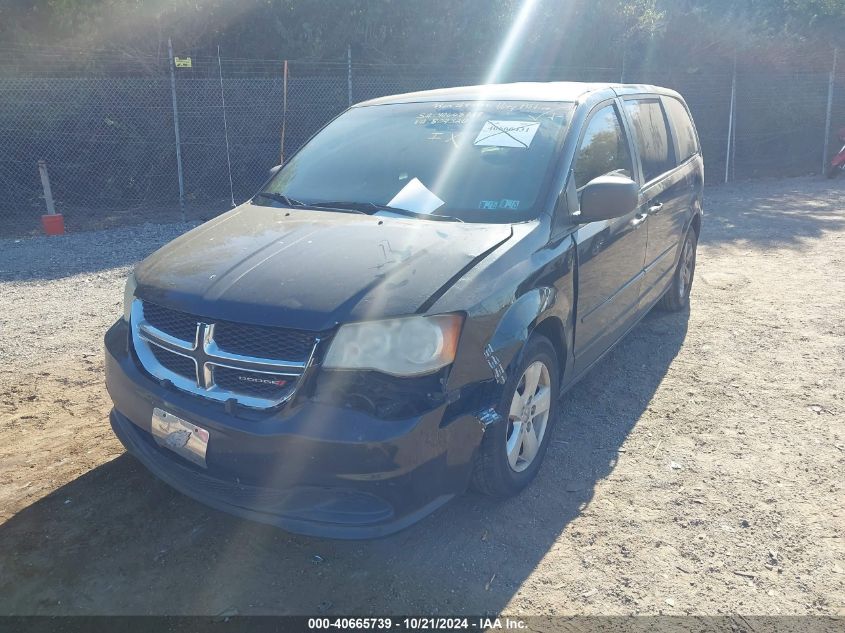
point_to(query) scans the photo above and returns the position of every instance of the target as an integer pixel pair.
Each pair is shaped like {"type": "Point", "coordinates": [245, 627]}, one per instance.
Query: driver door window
{"type": "Point", "coordinates": [604, 148]}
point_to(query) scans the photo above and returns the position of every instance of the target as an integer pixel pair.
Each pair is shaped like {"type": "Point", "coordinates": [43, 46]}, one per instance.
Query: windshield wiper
{"type": "Point", "coordinates": [293, 202]}
{"type": "Point", "coordinates": [345, 206]}
{"type": "Point", "coordinates": [282, 198]}
{"type": "Point", "coordinates": [373, 207]}
{"type": "Point", "coordinates": [424, 216]}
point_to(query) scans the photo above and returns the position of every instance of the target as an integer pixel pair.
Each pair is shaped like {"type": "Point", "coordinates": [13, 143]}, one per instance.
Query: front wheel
{"type": "Point", "coordinates": [677, 296]}
{"type": "Point", "coordinates": [512, 450]}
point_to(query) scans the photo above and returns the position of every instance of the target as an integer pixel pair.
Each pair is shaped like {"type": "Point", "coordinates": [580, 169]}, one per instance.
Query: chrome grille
{"type": "Point", "coordinates": [257, 366]}
{"type": "Point", "coordinates": [178, 364]}
{"type": "Point", "coordinates": [265, 342]}
{"type": "Point", "coordinates": [179, 324]}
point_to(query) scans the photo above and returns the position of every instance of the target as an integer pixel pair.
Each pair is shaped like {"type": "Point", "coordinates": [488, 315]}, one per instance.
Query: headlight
{"type": "Point", "coordinates": [129, 295]}
{"type": "Point", "coordinates": [410, 346]}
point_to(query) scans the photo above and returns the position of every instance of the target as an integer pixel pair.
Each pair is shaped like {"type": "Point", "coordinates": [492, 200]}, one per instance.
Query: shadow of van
{"type": "Point", "coordinates": [116, 540]}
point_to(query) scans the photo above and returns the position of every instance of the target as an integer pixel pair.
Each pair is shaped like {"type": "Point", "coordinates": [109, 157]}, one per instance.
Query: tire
{"type": "Point", "coordinates": [676, 297]}
{"type": "Point", "coordinates": [835, 172]}
{"type": "Point", "coordinates": [496, 472]}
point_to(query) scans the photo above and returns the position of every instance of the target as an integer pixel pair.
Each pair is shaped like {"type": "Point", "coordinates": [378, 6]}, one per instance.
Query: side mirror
{"type": "Point", "coordinates": [608, 197]}
{"type": "Point", "coordinates": [274, 170]}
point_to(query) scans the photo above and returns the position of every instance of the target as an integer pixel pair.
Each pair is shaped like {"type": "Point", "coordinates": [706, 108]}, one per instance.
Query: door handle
{"type": "Point", "coordinates": [655, 208]}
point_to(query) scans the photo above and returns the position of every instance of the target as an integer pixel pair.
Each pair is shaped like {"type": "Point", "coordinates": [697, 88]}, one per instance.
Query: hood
{"type": "Point", "coordinates": [312, 269]}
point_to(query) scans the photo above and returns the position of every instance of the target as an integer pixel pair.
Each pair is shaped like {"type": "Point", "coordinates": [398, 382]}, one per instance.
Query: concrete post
{"type": "Point", "coordinates": [45, 185]}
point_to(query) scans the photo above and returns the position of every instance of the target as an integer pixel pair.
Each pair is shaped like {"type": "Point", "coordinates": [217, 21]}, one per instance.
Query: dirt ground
{"type": "Point", "coordinates": [697, 470]}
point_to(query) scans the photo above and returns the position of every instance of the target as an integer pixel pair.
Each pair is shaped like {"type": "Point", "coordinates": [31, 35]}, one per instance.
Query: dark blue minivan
{"type": "Point", "coordinates": [395, 315]}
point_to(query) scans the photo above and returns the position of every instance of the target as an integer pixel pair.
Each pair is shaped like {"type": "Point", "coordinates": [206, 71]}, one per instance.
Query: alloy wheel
{"type": "Point", "coordinates": [687, 266]}
{"type": "Point", "coordinates": [529, 416]}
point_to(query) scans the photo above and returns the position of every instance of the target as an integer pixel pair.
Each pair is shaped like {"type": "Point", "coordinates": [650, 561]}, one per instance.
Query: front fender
{"type": "Point", "coordinates": [514, 328]}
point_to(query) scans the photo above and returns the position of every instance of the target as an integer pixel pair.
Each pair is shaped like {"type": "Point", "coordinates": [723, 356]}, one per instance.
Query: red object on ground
{"type": "Point", "coordinates": [53, 224]}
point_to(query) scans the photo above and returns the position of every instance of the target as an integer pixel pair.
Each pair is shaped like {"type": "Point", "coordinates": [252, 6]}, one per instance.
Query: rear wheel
{"type": "Point", "coordinates": [513, 449]}
{"type": "Point", "coordinates": [677, 296]}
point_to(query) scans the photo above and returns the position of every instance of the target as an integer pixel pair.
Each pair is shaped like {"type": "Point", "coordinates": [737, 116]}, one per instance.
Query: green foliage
{"type": "Point", "coordinates": [562, 32]}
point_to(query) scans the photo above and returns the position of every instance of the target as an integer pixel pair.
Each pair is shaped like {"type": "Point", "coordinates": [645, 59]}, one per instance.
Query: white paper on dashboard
{"type": "Point", "coordinates": [416, 197]}
{"type": "Point", "coordinates": [507, 133]}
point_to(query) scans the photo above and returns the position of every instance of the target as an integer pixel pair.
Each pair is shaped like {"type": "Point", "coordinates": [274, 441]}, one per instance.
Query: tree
{"type": "Point", "coordinates": [594, 33]}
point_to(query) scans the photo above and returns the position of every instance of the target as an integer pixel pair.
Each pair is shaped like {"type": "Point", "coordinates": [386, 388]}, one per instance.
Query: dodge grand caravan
{"type": "Point", "coordinates": [394, 316]}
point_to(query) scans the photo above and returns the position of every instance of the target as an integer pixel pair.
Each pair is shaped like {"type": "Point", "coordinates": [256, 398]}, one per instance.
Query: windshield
{"type": "Point", "coordinates": [473, 161]}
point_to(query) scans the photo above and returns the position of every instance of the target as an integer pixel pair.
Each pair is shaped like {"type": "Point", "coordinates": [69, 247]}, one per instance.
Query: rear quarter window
{"type": "Point", "coordinates": [683, 128]}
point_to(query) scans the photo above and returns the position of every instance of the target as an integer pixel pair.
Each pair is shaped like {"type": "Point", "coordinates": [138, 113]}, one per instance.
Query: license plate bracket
{"type": "Point", "coordinates": [180, 436]}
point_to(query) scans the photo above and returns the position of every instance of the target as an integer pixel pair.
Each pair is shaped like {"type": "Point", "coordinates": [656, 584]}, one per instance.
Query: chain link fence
{"type": "Point", "coordinates": [107, 131]}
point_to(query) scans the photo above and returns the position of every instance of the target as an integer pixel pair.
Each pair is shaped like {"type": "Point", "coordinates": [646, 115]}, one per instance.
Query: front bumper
{"type": "Point", "coordinates": [307, 467]}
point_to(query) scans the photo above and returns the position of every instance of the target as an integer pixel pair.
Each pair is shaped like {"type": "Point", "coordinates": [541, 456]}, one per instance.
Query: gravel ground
{"type": "Point", "coordinates": [71, 286]}
{"type": "Point", "coordinates": [696, 470]}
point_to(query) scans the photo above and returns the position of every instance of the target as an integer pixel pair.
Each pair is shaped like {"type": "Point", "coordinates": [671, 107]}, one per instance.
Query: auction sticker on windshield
{"type": "Point", "coordinates": [507, 133]}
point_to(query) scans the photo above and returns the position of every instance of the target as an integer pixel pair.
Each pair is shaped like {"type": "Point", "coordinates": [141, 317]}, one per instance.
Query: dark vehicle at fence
{"type": "Point", "coordinates": [394, 316]}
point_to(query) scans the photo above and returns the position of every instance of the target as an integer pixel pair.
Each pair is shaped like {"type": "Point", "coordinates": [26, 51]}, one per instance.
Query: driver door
{"type": "Point", "coordinates": [611, 253]}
